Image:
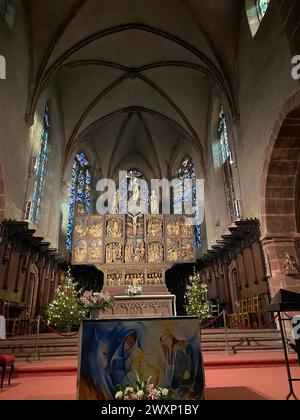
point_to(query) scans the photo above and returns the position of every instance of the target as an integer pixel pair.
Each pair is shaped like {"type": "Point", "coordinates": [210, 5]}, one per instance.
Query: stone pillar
{"type": "Point", "coordinates": [1, 196]}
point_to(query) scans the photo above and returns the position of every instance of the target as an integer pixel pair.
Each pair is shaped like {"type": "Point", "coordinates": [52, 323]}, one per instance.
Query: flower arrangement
{"type": "Point", "coordinates": [100, 301]}
{"type": "Point", "coordinates": [134, 291]}
{"type": "Point", "coordinates": [143, 391]}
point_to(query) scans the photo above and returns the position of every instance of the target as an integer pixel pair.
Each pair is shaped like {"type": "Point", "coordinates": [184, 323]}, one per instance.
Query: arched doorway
{"type": "Point", "coordinates": [280, 203]}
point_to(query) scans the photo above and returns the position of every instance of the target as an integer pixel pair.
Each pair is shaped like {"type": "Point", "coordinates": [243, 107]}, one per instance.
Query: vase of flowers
{"type": "Point", "coordinates": [134, 291]}
{"type": "Point", "coordinates": [97, 303]}
{"type": "Point", "coordinates": [95, 314]}
{"type": "Point", "coordinates": [142, 391]}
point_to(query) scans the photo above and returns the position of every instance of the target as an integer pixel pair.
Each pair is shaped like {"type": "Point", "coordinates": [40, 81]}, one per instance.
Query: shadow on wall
{"type": "Point", "coordinates": [88, 278]}
{"type": "Point", "coordinates": [176, 280]}
{"type": "Point", "coordinates": [1, 195]}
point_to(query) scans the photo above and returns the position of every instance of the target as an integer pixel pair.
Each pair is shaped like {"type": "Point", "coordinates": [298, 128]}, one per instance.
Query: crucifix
{"type": "Point", "coordinates": [135, 224]}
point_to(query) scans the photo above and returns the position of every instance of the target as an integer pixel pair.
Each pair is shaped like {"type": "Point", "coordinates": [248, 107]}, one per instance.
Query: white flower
{"type": "Point", "coordinates": [165, 392]}
{"type": "Point", "coordinates": [140, 394]}
{"type": "Point", "coordinates": [119, 395]}
{"type": "Point", "coordinates": [129, 390]}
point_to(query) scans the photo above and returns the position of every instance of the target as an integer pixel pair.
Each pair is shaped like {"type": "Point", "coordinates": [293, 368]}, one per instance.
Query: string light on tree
{"type": "Point", "coordinates": [197, 298]}
{"type": "Point", "coordinates": [67, 310]}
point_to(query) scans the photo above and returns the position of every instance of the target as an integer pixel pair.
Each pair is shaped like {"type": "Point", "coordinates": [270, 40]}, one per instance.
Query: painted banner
{"type": "Point", "coordinates": [114, 352]}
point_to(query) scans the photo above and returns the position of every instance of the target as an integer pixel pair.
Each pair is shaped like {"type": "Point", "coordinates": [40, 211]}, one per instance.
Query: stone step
{"type": "Point", "coordinates": [52, 346]}
{"type": "Point", "coordinates": [242, 349]}
{"type": "Point", "coordinates": [240, 341]}
{"type": "Point", "coordinates": [220, 331]}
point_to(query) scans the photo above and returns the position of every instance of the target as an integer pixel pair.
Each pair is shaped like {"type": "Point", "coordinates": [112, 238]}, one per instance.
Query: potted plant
{"type": "Point", "coordinates": [96, 303]}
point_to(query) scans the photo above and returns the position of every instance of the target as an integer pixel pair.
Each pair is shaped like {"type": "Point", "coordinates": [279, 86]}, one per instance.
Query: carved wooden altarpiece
{"type": "Point", "coordinates": [134, 250]}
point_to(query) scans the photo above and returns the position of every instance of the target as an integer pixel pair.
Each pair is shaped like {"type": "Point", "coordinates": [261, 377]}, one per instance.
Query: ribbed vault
{"type": "Point", "coordinates": [134, 76]}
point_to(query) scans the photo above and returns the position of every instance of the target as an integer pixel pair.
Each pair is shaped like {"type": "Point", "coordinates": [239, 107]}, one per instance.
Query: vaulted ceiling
{"type": "Point", "coordinates": [134, 77]}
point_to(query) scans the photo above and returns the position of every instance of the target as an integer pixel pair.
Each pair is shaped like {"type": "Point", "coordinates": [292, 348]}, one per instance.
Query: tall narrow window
{"type": "Point", "coordinates": [256, 10]}
{"type": "Point", "coordinates": [186, 171]}
{"type": "Point", "coordinates": [40, 170]}
{"type": "Point", "coordinates": [227, 162]}
{"type": "Point", "coordinates": [262, 7]}
{"type": "Point", "coordinates": [80, 192]}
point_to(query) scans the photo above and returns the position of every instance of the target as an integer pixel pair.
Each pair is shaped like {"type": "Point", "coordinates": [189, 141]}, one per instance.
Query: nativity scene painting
{"type": "Point", "coordinates": [117, 352]}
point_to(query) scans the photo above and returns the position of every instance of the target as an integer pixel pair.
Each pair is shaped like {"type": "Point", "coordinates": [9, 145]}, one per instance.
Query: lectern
{"type": "Point", "coordinates": [285, 301]}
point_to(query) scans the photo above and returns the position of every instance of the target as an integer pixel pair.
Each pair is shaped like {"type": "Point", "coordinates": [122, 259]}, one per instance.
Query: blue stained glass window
{"type": "Point", "coordinates": [227, 162]}
{"type": "Point", "coordinates": [80, 192]}
{"type": "Point", "coordinates": [40, 170]}
{"type": "Point", "coordinates": [262, 7]}
{"type": "Point", "coordinates": [186, 171]}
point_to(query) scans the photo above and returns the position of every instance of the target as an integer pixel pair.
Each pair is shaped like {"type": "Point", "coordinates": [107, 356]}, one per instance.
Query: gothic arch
{"type": "Point", "coordinates": [279, 225]}
{"type": "Point", "coordinates": [280, 171]}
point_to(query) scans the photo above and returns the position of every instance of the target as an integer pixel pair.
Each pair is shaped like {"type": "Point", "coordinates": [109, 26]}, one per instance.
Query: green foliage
{"type": "Point", "coordinates": [197, 298]}
{"type": "Point", "coordinates": [67, 310]}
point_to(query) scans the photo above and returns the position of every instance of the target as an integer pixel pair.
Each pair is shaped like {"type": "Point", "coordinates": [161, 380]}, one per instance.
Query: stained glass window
{"type": "Point", "coordinates": [186, 171]}
{"type": "Point", "coordinates": [262, 6]}
{"type": "Point", "coordinates": [40, 170]}
{"type": "Point", "coordinates": [227, 162]}
{"type": "Point", "coordinates": [225, 151]}
{"type": "Point", "coordinates": [144, 191]}
{"type": "Point", "coordinates": [80, 194]}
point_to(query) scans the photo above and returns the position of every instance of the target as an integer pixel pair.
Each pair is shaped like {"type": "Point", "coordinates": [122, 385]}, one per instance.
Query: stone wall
{"type": "Point", "coordinates": [14, 135]}
{"type": "Point", "coordinates": [1, 195]}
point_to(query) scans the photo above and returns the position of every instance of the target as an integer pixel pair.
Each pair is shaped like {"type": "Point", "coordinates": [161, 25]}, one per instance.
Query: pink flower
{"type": "Point", "coordinates": [153, 393]}
{"type": "Point", "coordinates": [88, 295]}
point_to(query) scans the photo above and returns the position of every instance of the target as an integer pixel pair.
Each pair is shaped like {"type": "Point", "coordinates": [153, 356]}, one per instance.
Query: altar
{"type": "Point", "coordinates": [143, 306]}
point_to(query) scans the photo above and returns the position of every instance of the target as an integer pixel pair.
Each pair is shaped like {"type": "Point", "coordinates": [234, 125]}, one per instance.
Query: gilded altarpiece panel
{"type": "Point", "coordinates": [133, 250]}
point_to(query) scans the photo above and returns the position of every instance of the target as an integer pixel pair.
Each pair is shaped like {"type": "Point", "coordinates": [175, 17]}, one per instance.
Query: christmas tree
{"type": "Point", "coordinates": [67, 310]}
{"type": "Point", "coordinates": [197, 298]}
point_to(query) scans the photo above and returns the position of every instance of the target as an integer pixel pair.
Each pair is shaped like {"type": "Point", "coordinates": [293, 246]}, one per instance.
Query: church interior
{"type": "Point", "coordinates": [161, 90]}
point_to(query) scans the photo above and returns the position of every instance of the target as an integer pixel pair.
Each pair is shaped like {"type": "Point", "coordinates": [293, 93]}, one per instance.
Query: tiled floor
{"type": "Point", "coordinates": [227, 378]}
